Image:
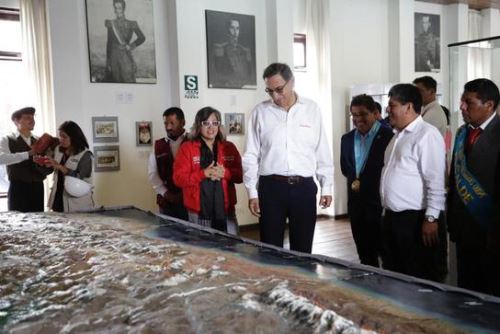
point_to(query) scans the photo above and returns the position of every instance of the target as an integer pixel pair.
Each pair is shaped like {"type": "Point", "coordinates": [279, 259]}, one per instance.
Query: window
{"type": "Point", "coordinates": [299, 52]}
{"type": "Point", "coordinates": [13, 83]}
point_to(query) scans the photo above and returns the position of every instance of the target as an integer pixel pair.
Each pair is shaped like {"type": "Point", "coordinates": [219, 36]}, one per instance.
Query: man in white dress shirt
{"type": "Point", "coordinates": [161, 161]}
{"type": "Point", "coordinates": [286, 147]}
{"type": "Point", "coordinates": [25, 176]}
{"type": "Point", "coordinates": [412, 190]}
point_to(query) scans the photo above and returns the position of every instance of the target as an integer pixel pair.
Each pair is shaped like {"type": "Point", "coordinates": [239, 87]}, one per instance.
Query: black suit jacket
{"type": "Point", "coordinates": [369, 196]}
{"type": "Point", "coordinates": [484, 163]}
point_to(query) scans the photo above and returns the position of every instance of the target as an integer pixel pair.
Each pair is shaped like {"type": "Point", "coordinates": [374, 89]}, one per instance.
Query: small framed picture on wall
{"type": "Point", "coordinates": [105, 129]}
{"type": "Point", "coordinates": [235, 123]}
{"type": "Point", "coordinates": [144, 133]}
{"type": "Point", "coordinates": [107, 158]}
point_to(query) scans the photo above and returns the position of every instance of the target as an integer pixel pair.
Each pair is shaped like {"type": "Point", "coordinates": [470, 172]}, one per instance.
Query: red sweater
{"type": "Point", "coordinates": [188, 173]}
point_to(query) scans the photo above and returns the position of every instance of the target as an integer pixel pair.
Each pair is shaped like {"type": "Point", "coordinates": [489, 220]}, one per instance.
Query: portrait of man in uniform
{"type": "Point", "coordinates": [427, 43]}
{"type": "Point", "coordinates": [121, 41]}
{"type": "Point", "coordinates": [230, 50]}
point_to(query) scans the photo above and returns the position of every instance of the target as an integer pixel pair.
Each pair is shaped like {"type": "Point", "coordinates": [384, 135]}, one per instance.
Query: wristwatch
{"type": "Point", "coordinates": [431, 219]}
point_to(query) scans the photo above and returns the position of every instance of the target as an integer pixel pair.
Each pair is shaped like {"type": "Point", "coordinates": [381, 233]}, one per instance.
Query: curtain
{"type": "Point", "coordinates": [479, 54]}
{"type": "Point", "coordinates": [318, 77]}
{"type": "Point", "coordinates": [36, 59]}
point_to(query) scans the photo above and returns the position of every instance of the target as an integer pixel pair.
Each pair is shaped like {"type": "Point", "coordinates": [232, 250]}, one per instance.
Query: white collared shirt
{"type": "Point", "coordinates": [154, 177]}
{"type": "Point", "coordinates": [413, 177]}
{"type": "Point", "coordinates": [9, 158]}
{"type": "Point", "coordinates": [287, 143]}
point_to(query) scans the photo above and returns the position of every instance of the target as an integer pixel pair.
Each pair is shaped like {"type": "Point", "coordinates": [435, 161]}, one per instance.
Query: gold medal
{"type": "Point", "coordinates": [355, 185]}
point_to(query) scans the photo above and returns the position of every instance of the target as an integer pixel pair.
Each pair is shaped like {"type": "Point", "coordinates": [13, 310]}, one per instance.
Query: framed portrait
{"type": "Point", "coordinates": [427, 43]}
{"type": "Point", "coordinates": [106, 158]}
{"type": "Point", "coordinates": [235, 123]}
{"type": "Point", "coordinates": [121, 41]}
{"type": "Point", "coordinates": [230, 50]}
{"type": "Point", "coordinates": [105, 129]}
{"type": "Point", "coordinates": [144, 133]}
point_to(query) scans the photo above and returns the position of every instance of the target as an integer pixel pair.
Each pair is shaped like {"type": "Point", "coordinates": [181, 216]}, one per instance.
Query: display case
{"type": "Point", "coordinates": [470, 60]}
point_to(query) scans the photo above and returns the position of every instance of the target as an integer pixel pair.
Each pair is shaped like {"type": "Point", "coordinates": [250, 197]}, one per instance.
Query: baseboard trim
{"type": "Point", "coordinates": [342, 216]}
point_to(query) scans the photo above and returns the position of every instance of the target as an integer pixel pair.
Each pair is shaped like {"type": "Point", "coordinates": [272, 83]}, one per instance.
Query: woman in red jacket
{"type": "Point", "coordinates": [206, 168]}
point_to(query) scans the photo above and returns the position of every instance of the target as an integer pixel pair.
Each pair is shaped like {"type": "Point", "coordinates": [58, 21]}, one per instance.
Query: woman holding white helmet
{"type": "Point", "coordinates": [72, 163]}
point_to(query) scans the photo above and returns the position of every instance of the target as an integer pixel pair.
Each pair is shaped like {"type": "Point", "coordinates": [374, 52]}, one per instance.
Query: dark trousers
{"type": "Point", "coordinates": [478, 269]}
{"type": "Point", "coordinates": [365, 227]}
{"type": "Point", "coordinates": [25, 196]}
{"type": "Point", "coordinates": [280, 200]}
{"type": "Point", "coordinates": [403, 249]}
{"type": "Point", "coordinates": [176, 211]}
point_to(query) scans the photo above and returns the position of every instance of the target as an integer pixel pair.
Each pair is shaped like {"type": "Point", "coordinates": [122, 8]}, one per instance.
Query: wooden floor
{"type": "Point", "coordinates": [331, 238]}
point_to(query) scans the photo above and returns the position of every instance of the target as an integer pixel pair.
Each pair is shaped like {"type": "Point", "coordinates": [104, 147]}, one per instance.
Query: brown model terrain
{"type": "Point", "coordinates": [94, 274]}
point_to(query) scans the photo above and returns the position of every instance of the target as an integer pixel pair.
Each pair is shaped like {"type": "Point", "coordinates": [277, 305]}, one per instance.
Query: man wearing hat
{"type": "Point", "coordinates": [25, 176]}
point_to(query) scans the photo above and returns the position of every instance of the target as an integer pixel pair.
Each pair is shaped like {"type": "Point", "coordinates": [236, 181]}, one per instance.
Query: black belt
{"type": "Point", "coordinates": [293, 179]}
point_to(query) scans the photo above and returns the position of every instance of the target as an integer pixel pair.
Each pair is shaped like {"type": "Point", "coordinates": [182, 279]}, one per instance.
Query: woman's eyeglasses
{"type": "Point", "coordinates": [206, 124]}
{"type": "Point", "coordinates": [277, 90]}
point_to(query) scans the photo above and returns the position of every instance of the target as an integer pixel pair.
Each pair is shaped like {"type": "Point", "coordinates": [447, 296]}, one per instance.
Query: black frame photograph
{"type": "Point", "coordinates": [230, 50]}
{"type": "Point", "coordinates": [235, 123]}
{"type": "Point", "coordinates": [144, 133]}
{"type": "Point", "coordinates": [106, 158]}
{"type": "Point", "coordinates": [105, 129]}
{"type": "Point", "coordinates": [121, 41]}
{"type": "Point", "coordinates": [427, 42]}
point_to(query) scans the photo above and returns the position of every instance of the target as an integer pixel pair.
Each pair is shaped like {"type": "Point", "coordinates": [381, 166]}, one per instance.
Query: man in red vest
{"type": "Point", "coordinates": [161, 161]}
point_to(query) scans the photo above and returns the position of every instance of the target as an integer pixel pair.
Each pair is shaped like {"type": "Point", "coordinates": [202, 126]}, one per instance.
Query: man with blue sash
{"type": "Point", "coordinates": [474, 192]}
{"type": "Point", "coordinates": [361, 160]}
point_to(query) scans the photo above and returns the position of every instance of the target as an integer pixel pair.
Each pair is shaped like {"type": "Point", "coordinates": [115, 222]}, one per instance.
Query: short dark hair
{"type": "Point", "coordinates": [364, 100]}
{"type": "Point", "coordinates": [405, 93]}
{"type": "Point", "coordinates": [229, 20]}
{"type": "Point", "coordinates": [378, 106]}
{"type": "Point", "coordinates": [202, 115]}
{"type": "Point", "coordinates": [120, 1]}
{"type": "Point", "coordinates": [278, 68]}
{"type": "Point", "coordinates": [427, 81]}
{"type": "Point", "coordinates": [75, 134]}
{"type": "Point", "coordinates": [485, 89]}
{"type": "Point", "coordinates": [174, 111]}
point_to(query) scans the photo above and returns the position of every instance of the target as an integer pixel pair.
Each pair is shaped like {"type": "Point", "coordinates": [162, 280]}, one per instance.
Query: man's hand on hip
{"type": "Point", "coordinates": [253, 205]}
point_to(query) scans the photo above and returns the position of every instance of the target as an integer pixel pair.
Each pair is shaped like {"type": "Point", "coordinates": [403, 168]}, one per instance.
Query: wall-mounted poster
{"type": "Point", "coordinates": [427, 43]}
{"type": "Point", "coordinates": [230, 50]}
{"type": "Point", "coordinates": [121, 41]}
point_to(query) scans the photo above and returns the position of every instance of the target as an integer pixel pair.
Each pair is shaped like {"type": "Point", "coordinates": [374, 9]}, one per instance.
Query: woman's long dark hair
{"type": "Point", "coordinates": [202, 115]}
{"type": "Point", "coordinates": [75, 134]}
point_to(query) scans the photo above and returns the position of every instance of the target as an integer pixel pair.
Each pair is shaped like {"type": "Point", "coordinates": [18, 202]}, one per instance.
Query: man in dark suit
{"type": "Point", "coordinates": [474, 193]}
{"type": "Point", "coordinates": [361, 161]}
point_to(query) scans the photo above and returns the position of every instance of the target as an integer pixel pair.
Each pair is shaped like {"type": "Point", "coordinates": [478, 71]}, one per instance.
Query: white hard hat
{"type": "Point", "coordinates": [76, 187]}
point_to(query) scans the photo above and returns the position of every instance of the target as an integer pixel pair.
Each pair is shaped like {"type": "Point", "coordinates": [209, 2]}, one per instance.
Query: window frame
{"type": "Point", "coordinates": [10, 14]}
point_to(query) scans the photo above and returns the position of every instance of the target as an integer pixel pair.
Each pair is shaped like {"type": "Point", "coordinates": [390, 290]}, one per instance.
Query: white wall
{"type": "Point", "coordinates": [77, 99]}
{"type": "Point", "coordinates": [360, 54]}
